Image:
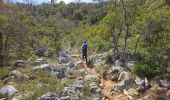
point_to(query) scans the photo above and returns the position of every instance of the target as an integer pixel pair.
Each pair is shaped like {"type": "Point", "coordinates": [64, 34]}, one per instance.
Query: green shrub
{"type": "Point", "coordinates": [144, 70]}
{"type": "Point", "coordinates": [50, 52]}
{"type": "Point", "coordinates": [108, 58]}
{"type": "Point", "coordinates": [4, 72]}
{"type": "Point", "coordinates": [85, 90]}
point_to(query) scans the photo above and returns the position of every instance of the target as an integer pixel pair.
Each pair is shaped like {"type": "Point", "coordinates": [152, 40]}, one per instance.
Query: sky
{"type": "Point", "coordinates": [47, 1]}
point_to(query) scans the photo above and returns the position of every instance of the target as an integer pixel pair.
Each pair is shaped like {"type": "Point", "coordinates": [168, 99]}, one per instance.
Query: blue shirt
{"type": "Point", "coordinates": [84, 47]}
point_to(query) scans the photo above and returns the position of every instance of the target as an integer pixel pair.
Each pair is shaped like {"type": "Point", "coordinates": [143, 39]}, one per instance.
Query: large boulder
{"type": "Point", "coordinates": [16, 75]}
{"type": "Point", "coordinates": [164, 84]}
{"type": "Point", "coordinates": [64, 57]}
{"type": "Point", "coordinates": [8, 90]}
{"type": "Point", "coordinates": [19, 63]}
{"type": "Point", "coordinates": [68, 91]}
{"type": "Point", "coordinates": [94, 88]}
{"type": "Point", "coordinates": [73, 92]}
{"type": "Point", "coordinates": [119, 63]}
{"type": "Point", "coordinates": [49, 96]}
{"type": "Point", "coordinates": [139, 81]}
{"type": "Point", "coordinates": [39, 62]}
{"type": "Point", "coordinates": [123, 75]}
{"type": "Point", "coordinates": [60, 72]}
{"type": "Point", "coordinates": [124, 83]}
{"type": "Point", "coordinates": [117, 69]}
{"type": "Point", "coordinates": [143, 85]}
{"type": "Point", "coordinates": [66, 98]}
{"type": "Point", "coordinates": [43, 67]}
{"type": "Point", "coordinates": [99, 60]}
{"type": "Point", "coordinates": [63, 53]}
{"type": "Point", "coordinates": [78, 85]}
{"type": "Point", "coordinates": [64, 60]}
{"type": "Point", "coordinates": [70, 64]}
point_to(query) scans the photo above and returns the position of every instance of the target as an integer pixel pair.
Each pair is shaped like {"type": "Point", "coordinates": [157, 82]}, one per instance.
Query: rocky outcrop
{"type": "Point", "coordinates": [49, 96]}
{"type": "Point", "coordinates": [164, 84]}
{"type": "Point", "coordinates": [143, 85]}
{"type": "Point", "coordinates": [123, 75]}
{"type": "Point", "coordinates": [44, 67]}
{"type": "Point", "coordinates": [121, 85]}
{"type": "Point", "coordinates": [94, 88]}
{"type": "Point", "coordinates": [16, 75]}
{"type": "Point", "coordinates": [64, 57]}
{"type": "Point", "coordinates": [19, 63]}
{"type": "Point", "coordinates": [73, 92]}
{"type": "Point", "coordinates": [60, 72]}
{"type": "Point", "coordinates": [139, 81]}
{"type": "Point", "coordinates": [8, 90]}
{"type": "Point", "coordinates": [39, 62]}
{"type": "Point", "coordinates": [119, 63]}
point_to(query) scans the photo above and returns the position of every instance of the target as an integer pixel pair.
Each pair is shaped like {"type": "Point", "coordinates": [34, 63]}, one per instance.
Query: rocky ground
{"type": "Point", "coordinates": [68, 78]}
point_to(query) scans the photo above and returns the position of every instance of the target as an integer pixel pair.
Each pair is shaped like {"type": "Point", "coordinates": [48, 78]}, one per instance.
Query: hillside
{"type": "Point", "coordinates": [128, 50]}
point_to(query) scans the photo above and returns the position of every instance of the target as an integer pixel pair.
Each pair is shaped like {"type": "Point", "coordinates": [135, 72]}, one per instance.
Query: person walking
{"type": "Point", "coordinates": [84, 51]}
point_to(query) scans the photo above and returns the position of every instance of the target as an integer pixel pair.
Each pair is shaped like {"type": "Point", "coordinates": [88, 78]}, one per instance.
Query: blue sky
{"type": "Point", "coordinates": [46, 1]}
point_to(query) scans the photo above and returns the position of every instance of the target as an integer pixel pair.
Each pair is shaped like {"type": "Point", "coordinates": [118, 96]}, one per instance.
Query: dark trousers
{"type": "Point", "coordinates": [84, 56]}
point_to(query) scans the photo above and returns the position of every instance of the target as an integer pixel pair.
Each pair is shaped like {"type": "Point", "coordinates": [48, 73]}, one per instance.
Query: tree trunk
{"type": "Point", "coordinates": [6, 42]}
{"type": "Point", "coordinates": [136, 46]}
{"type": "Point", "coordinates": [117, 40]}
{"type": "Point", "coordinates": [126, 37]}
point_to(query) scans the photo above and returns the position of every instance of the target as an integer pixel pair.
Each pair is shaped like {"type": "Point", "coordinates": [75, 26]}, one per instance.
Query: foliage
{"type": "Point", "coordinates": [129, 27]}
{"type": "Point", "coordinates": [108, 58]}
{"type": "Point", "coordinates": [144, 70]}
{"type": "Point", "coordinates": [4, 72]}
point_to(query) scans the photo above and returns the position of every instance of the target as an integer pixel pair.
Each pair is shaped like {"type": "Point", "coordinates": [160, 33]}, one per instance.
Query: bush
{"type": "Point", "coordinates": [4, 72]}
{"type": "Point", "coordinates": [102, 45]}
{"type": "Point", "coordinates": [108, 58]}
{"type": "Point", "coordinates": [50, 52]}
{"type": "Point", "coordinates": [144, 70]}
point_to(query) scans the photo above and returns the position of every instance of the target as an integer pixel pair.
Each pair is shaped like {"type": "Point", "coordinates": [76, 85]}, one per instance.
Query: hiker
{"type": "Point", "coordinates": [84, 51]}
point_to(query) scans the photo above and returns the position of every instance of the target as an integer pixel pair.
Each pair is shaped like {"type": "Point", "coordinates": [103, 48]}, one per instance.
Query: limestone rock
{"type": "Point", "coordinates": [165, 84]}
{"type": "Point", "coordinates": [123, 75]}
{"type": "Point", "coordinates": [19, 63]}
{"type": "Point", "coordinates": [91, 78]}
{"type": "Point", "coordinates": [121, 85]}
{"type": "Point", "coordinates": [48, 96]}
{"type": "Point", "coordinates": [118, 63]}
{"type": "Point", "coordinates": [59, 72]}
{"type": "Point", "coordinates": [39, 62]}
{"type": "Point", "coordinates": [43, 67]}
{"type": "Point", "coordinates": [139, 81]}
{"type": "Point", "coordinates": [8, 90]}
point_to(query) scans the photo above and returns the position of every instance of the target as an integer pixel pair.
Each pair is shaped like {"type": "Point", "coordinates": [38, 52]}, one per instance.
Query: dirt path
{"type": "Point", "coordinates": [106, 85]}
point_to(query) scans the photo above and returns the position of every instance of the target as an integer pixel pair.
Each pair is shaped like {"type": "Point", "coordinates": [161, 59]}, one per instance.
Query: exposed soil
{"type": "Point", "coordinates": [106, 85]}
